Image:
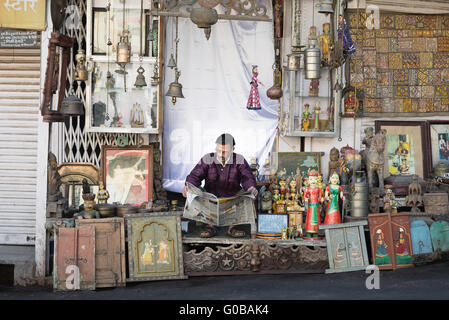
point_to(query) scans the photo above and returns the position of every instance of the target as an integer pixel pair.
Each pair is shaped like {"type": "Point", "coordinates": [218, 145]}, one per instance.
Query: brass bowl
{"type": "Point", "coordinates": [106, 210]}
{"type": "Point", "coordinates": [126, 209]}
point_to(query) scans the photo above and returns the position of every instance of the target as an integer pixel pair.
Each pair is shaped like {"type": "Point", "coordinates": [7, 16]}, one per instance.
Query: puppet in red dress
{"type": "Point", "coordinates": [254, 99]}
{"type": "Point", "coordinates": [313, 197]}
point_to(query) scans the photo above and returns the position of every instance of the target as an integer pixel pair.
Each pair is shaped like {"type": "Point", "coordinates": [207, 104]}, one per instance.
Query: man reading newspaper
{"type": "Point", "coordinates": [225, 174]}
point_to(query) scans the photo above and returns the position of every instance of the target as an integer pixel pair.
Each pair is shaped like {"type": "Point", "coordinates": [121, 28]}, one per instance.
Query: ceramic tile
{"type": "Point", "coordinates": [387, 105]}
{"type": "Point", "coordinates": [419, 21]}
{"type": "Point", "coordinates": [356, 66]}
{"type": "Point", "coordinates": [369, 103]}
{"type": "Point", "coordinates": [405, 34]}
{"type": "Point", "coordinates": [384, 92]}
{"type": "Point", "coordinates": [432, 44]}
{"type": "Point", "coordinates": [382, 61]}
{"type": "Point", "coordinates": [415, 105]}
{"type": "Point", "coordinates": [399, 21]}
{"type": "Point", "coordinates": [401, 91]}
{"type": "Point", "coordinates": [419, 44]}
{"type": "Point", "coordinates": [395, 60]}
{"type": "Point", "coordinates": [441, 91]}
{"type": "Point", "coordinates": [410, 21]}
{"type": "Point", "coordinates": [405, 44]}
{"type": "Point", "coordinates": [443, 44]}
{"type": "Point", "coordinates": [400, 77]}
{"type": "Point", "coordinates": [369, 72]}
{"type": "Point", "coordinates": [379, 105]}
{"type": "Point", "coordinates": [387, 21]}
{"type": "Point", "coordinates": [427, 91]}
{"type": "Point", "coordinates": [434, 77]}
{"type": "Point", "coordinates": [356, 78]}
{"type": "Point", "coordinates": [398, 105]}
{"type": "Point", "coordinates": [382, 45]}
{"type": "Point", "coordinates": [394, 46]}
{"type": "Point", "coordinates": [407, 105]}
{"type": "Point", "coordinates": [436, 105]}
{"type": "Point", "coordinates": [369, 57]}
{"type": "Point", "coordinates": [444, 22]}
{"type": "Point", "coordinates": [410, 60]}
{"type": "Point", "coordinates": [370, 83]}
{"type": "Point", "coordinates": [417, 33]}
{"type": "Point", "coordinates": [370, 92]}
{"type": "Point", "coordinates": [413, 77]}
{"type": "Point", "coordinates": [427, 33]}
{"type": "Point", "coordinates": [430, 22]}
{"type": "Point", "coordinates": [369, 43]}
{"type": "Point", "coordinates": [384, 78]}
{"type": "Point", "coordinates": [415, 91]}
{"type": "Point", "coordinates": [445, 76]}
{"type": "Point", "coordinates": [440, 60]}
{"type": "Point", "coordinates": [426, 60]}
{"type": "Point", "coordinates": [423, 78]}
{"type": "Point", "coordinates": [368, 34]}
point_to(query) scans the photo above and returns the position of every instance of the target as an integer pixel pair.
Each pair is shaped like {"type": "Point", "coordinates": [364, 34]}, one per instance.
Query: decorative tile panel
{"type": "Point", "coordinates": [404, 65]}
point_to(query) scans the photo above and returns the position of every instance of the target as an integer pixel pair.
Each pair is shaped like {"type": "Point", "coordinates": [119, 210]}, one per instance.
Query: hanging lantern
{"type": "Point", "coordinates": [325, 6]}
{"type": "Point", "coordinates": [123, 51]}
{"type": "Point", "coordinates": [81, 73]}
{"type": "Point", "coordinates": [175, 88]}
{"type": "Point", "coordinates": [312, 57]}
{"type": "Point", "coordinates": [204, 18]}
{"type": "Point", "coordinates": [72, 106]}
{"type": "Point", "coordinates": [140, 79]}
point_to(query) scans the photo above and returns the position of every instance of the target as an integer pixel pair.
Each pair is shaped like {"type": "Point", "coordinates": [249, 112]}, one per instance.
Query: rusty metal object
{"type": "Point", "coordinates": [204, 18]}
{"type": "Point", "coordinates": [106, 210]}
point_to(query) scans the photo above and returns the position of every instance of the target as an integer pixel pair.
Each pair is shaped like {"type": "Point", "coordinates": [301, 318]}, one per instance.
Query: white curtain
{"type": "Point", "coordinates": [216, 75]}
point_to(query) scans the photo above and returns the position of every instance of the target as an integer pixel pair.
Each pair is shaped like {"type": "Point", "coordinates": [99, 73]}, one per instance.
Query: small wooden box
{"type": "Point", "coordinates": [436, 203]}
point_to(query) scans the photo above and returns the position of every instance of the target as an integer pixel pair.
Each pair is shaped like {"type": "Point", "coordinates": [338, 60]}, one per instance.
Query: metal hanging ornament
{"type": "Point", "coordinates": [140, 79]}
{"type": "Point", "coordinates": [175, 88]}
{"type": "Point", "coordinates": [81, 73]}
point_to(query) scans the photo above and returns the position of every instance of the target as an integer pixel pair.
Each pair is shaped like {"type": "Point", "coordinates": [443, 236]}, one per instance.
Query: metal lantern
{"type": "Point", "coordinates": [171, 63]}
{"type": "Point", "coordinates": [325, 6]}
{"type": "Point", "coordinates": [72, 106]}
{"type": "Point", "coordinates": [312, 57]}
{"type": "Point", "coordinates": [140, 79]}
{"type": "Point", "coordinates": [175, 88]}
{"type": "Point", "coordinates": [204, 18]}
{"type": "Point", "coordinates": [123, 51]}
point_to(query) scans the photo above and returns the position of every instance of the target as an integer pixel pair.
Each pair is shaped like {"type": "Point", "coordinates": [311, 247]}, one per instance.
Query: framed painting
{"type": "Point", "coordinates": [405, 149]}
{"type": "Point", "coordinates": [128, 173]}
{"type": "Point", "coordinates": [438, 140]}
{"type": "Point", "coordinates": [400, 226]}
{"type": "Point", "coordinates": [155, 246]}
{"type": "Point", "coordinates": [271, 223]}
{"type": "Point", "coordinates": [289, 164]}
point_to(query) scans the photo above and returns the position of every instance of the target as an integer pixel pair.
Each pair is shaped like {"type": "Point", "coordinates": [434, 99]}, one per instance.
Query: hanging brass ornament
{"type": "Point", "coordinates": [81, 73]}
{"type": "Point", "coordinates": [325, 6]}
{"type": "Point", "coordinates": [175, 88]}
{"type": "Point", "coordinates": [140, 79]}
{"type": "Point", "coordinates": [204, 18]}
{"type": "Point", "coordinates": [155, 78]}
{"type": "Point", "coordinates": [275, 92]}
{"type": "Point", "coordinates": [171, 62]}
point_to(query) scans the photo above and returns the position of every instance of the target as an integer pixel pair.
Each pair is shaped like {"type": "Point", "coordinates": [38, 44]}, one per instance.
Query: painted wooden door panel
{"type": "Point", "coordinates": [439, 231]}
{"type": "Point", "coordinates": [74, 254]}
{"type": "Point", "coordinates": [155, 246]}
{"type": "Point", "coordinates": [400, 224]}
{"type": "Point", "coordinates": [110, 262]}
{"type": "Point", "coordinates": [339, 251]}
{"type": "Point", "coordinates": [355, 252]}
{"type": "Point", "coordinates": [381, 240]}
{"type": "Point", "coordinates": [421, 240]}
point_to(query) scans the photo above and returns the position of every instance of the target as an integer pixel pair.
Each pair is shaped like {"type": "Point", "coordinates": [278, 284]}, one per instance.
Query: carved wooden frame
{"type": "Point", "coordinates": [55, 76]}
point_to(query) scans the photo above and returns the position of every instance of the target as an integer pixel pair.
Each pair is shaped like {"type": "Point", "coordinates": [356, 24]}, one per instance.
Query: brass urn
{"type": "Point", "coordinates": [81, 73]}
{"type": "Point", "coordinates": [204, 18]}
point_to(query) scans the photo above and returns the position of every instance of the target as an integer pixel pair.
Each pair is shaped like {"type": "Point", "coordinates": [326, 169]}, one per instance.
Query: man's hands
{"type": "Point", "coordinates": [253, 190]}
{"type": "Point", "coordinates": [184, 191]}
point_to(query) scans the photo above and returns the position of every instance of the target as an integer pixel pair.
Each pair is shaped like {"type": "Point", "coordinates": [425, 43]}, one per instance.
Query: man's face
{"type": "Point", "coordinates": [224, 151]}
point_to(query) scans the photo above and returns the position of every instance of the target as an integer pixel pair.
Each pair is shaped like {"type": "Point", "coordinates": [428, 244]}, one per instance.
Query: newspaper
{"type": "Point", "coordinates": [207, 208]}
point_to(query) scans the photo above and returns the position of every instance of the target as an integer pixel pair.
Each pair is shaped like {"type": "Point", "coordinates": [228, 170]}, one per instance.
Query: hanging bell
{"type": "Point", "coordinates": [140, 79]}
{"type": "Point", "coordinates": [175, 88]}
{"type": "Point", "coordinates": [325, 6]}
{"type": "Point", "coordinates": [72, 106]}
{"type": "Point", "coordinates": [123, 51]}
{"type": "Point", "coordinates": [171, 63]}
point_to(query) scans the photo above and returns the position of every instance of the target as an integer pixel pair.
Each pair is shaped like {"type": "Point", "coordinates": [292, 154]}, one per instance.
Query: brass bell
{"type": "Point", "coordinates": [175, 88]}
{"type": "Point", "coordinates": [171, 63]}
{"type": "Point", "coordinates": [325, 6]}
{"type": "Point", "coordinates": [140, 79]}
{"type": "Point", "coordinates": [72, 106]}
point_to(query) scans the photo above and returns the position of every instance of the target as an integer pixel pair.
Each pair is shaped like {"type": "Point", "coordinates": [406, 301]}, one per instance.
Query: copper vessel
{"type": "Point", "coordinates": [126, 209]}
{"type": "Point", "coordinates": [106, 210]}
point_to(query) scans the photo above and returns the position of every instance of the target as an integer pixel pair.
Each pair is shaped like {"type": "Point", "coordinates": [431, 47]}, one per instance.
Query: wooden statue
{"type": "Point", "coordinates": [313, 197]}
{"type": "Point", "coordinates": [414, 197]}
{"type": "Point", "coordinates": [103, 194]}
{"type": "Point", "coordinates": [375, 160]}
{"type": "Point", "coordinates": [367, 140]}
{"type": "Point", "coordinates": [53, 178]}
{"type": "Point", "coordinates": [334, 155]}
{"type": "Point", "coordinates": [390, 203]}
{"type": "Point", "coordinates": [317, 110]}
{"type": "Point", "coordinates": [325, 44]}
{"type": "Point", "coordinates": [333, 194]}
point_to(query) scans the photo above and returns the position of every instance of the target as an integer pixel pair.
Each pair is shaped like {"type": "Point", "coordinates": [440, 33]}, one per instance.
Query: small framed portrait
{"type": "Point", "coordinates": [405, 148]}
{"type": "Point", "coordinates": [438, 134]}
{"type": "Point", "coordinates": [128, 173]}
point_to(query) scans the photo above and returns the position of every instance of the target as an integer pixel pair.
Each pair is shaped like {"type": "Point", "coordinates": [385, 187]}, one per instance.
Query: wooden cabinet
{"type": "Point", "coordinates": [390, 240]}
{"type": "Point", "coordinates": [110, 264]}
{"type": "Point", "coordinates": [346, 246]}
{"type": "Point", "coordinates": [74, 259]}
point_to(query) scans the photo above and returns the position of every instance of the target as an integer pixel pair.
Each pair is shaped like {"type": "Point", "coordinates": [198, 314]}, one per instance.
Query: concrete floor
{"type": "Point", "coordinates": [424, 282]}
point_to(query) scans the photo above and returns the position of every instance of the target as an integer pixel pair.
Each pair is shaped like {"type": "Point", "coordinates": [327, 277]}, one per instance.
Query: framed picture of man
{"type": "Point", "coordinates": [128, 173]}
{"type": "Point", "coordinates": [405, 149]}
{"type": "Point", "coordinates": [438, 134]}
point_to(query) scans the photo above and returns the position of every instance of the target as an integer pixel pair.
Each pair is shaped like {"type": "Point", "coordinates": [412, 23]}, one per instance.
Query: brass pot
{"type": "Point", "coordinates": [126, 209]}
{"type": "Point", "coordinates": [106, 210]}
{"type": "Point", "coordinates": [274, 92]}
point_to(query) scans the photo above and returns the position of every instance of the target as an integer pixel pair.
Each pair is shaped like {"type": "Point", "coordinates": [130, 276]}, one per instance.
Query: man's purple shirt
{"type": "Point", "coordinates": [222, 181]}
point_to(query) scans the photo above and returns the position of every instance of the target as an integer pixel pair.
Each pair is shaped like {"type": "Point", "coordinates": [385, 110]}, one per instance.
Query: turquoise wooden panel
{"type": "Point", "coordinates": [421, 240]}
{"type": "Point", "coordinates": [439, 232]}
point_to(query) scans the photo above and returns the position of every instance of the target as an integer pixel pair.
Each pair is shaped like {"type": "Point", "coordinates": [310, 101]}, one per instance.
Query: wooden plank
{"type": "Point", "coordinates": [20, 66]}
{"type": "Point", "coordinates": [20, 74]}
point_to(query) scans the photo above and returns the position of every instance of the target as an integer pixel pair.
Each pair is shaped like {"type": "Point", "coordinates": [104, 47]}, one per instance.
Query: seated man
{"type": "Point", "coordinates": [225, 173]}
